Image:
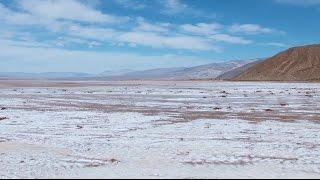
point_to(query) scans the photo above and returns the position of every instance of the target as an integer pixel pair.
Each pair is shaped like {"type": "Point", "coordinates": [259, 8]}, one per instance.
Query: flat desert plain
{"type": "Point", "coordinates": [159, 129]}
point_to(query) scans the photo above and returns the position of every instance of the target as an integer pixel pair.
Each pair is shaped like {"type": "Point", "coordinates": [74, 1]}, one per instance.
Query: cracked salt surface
{"type": "Point", "coordinates": [161, 130]}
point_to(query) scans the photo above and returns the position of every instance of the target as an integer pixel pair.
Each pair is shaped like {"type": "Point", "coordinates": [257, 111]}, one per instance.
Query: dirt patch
{"type": "Point", "coordinates": [3, 118]}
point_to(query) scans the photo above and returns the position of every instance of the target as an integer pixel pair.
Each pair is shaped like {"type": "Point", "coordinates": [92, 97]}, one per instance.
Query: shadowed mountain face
{"type": "Point", "coordinates": [237, 71]}
{"type": "Point", "coordinates": [295, 64]}
{"type": "Point", "coordinates": [210, 70]}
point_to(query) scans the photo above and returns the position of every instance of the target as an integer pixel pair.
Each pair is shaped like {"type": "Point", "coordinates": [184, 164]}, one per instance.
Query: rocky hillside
{"type": "Point", "coordinates": [295, 64]}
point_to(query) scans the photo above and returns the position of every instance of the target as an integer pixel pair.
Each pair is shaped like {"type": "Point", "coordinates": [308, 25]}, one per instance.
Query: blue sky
{"type": "Point", "coordinates": [98, 35]}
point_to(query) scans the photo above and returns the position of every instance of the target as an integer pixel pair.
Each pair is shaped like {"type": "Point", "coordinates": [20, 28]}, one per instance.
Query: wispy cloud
{"type": "Point", "coordinates": [252, 29]}
{"type": "Point", "coordinates": [275, 44]}
{"type": "Point", "coordinates": [172, 42]}
{"type": "Point", "coordinates": [54, 15]}
{"type": "Point", "coordinates": [18, 18]}
{"type": "Point", "coordinates": [177, 7]}
{"type": "Point", "coordinates": [151, 27]}
{"type": "Point", "coordinates": [201, 28]}
{"type": "Point", "coordinates": [93, 33]}
{"type": "Point", "coordinates": [230, 39]}
{"type": "Point", "coordinates": [24, 43]}
{"type": "Point", "coordinates": [66, 10]}
{"type": "Point", "coordinates": [73, 23]}
{"type": "Point", "coordinates": [131, 4]}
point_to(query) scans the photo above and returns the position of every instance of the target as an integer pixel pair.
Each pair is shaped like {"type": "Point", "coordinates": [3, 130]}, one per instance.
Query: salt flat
{"type": "Point", "coordinates": [159, 129]}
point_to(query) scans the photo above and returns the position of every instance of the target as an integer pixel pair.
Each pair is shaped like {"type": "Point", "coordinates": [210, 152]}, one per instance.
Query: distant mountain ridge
{"type": "Point", "coordinates": [208, 71]}
{"type": "Point", "coordinates": [116, 73]}
{"type": "Point", "coordinates": [44, 75]}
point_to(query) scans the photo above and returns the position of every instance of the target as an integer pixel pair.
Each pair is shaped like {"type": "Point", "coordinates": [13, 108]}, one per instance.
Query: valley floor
{"type": "Point", "coordinates": [158, 129]}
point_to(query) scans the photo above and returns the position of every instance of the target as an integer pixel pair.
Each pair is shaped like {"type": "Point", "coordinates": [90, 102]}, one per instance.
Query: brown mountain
{"type": "Point", "coordinates": [295, 64]}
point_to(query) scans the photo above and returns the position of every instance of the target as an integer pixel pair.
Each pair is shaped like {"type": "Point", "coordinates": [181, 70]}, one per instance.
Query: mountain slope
{"type": "Point", "coordinates": [154, 73]}
{"type": "Point", "coordinates": [295, 64]}
{"type": "Point", "coordinates": [237, 71]}
{"type": "Point", "coordinates": [211, 70]}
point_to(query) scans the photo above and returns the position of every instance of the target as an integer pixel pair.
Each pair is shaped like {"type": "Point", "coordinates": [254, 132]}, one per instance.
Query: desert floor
{"type": "Point", "coordinates": [158, 129]}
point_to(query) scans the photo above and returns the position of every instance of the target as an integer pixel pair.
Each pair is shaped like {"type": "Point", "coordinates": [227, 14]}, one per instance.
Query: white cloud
{"type": "Point", "coordinates": [93, 44]}
{"type": "Point", "coordinates": [148, 27]}
{"type": "Point", "coordinates": [145, 34]}
{"type": "Point", "coordinates": [57, 16]}
{"type": "Point", "coordinates": [252, 29]}
{"type": "Point", "coordinates": [95, 33]}
{"type": "Point", "coordinates": [17, 18]}
{"type": "Point", "coordinates": [300, 2]}
{"type": "Point", "coordinates": [131, 4]}
{"type": "Point", "coordinates": [66, 10]}
{"type": "Point", "coordinates": [230, 39]}
{"type": "Point", "coordinates": [54, 15]}
{"type": "Point", "coordinates": [62, 18]}
{"type": "Point", "coordinates": [64, 41]}
{"type": "Point", "coordinates": [201, 28]}
{"type": "Point", "coordinates": [149, 38]}
{"type": "Point", "coordinates": [177, 7]}
{"type": "Point", "coordinates": [174, 7]}
{"type": "Point", "coordinates": [172, 42]}
{"type": "Point", "coordinates": [24, 43]}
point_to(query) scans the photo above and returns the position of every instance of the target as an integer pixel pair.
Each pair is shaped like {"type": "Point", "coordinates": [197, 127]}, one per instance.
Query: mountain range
{"type": "Point", "coordinates": [294, 64]}
{"type": "Point", "coordinates": [209, 71]}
